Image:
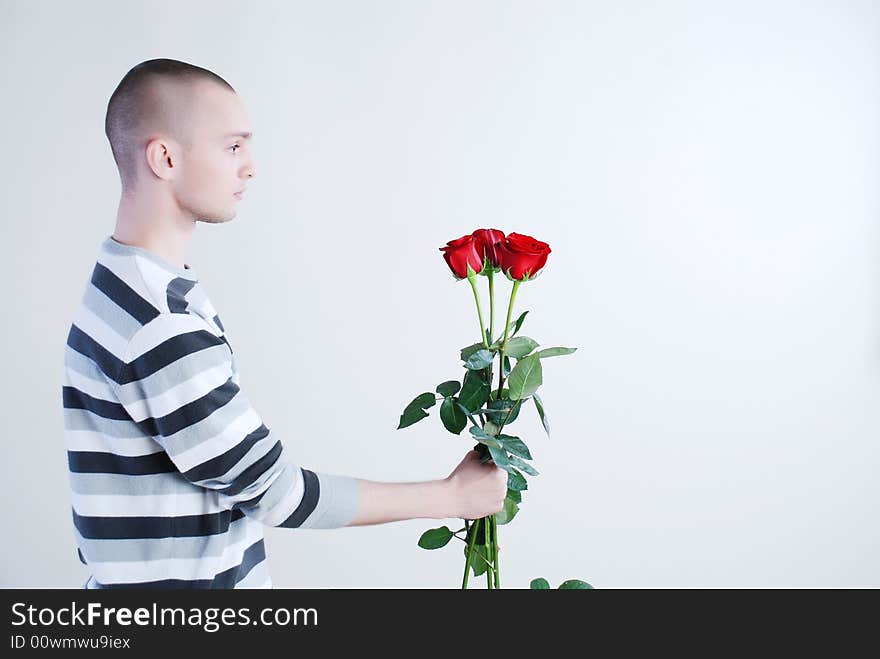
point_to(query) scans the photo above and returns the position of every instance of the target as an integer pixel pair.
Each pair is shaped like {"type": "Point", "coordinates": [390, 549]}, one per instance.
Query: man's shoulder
{"type": "Point", "coordinates": [167, 325]}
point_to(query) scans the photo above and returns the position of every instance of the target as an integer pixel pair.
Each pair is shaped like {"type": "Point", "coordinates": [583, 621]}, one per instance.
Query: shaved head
{"type": "Point", "coordinates": [156, 98]}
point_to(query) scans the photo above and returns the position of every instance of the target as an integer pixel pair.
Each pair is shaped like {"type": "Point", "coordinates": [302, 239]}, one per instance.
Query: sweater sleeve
{"type": "Point", "coordinates": [177, 382]}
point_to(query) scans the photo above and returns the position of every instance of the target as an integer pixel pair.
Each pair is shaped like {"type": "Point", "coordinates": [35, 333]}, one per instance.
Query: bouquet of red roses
{"type": "Point", "coordinates": [520, 258]}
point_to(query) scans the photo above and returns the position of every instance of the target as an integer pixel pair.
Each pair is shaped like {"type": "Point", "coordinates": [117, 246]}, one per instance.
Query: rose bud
{"type": "Point", "coordinates": [487, 241]}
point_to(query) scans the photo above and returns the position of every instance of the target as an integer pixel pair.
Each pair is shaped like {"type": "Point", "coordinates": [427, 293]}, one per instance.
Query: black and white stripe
{"type": "Point", "coordinates": [173, 473]}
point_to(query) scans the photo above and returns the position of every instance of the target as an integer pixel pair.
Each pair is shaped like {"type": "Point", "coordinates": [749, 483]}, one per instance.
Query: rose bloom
{"type": "Point", "coordinates": [522, 256]}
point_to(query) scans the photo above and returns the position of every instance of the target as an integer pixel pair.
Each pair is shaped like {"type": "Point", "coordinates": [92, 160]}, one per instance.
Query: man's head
{"type": "Point", "coordinates": [176, 129]}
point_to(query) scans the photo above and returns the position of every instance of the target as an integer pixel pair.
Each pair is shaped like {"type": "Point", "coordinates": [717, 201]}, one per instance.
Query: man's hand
{"type": "Point", "coordinates": [476, 489]}
{"type": "Point", "coordinates": [471, 491]}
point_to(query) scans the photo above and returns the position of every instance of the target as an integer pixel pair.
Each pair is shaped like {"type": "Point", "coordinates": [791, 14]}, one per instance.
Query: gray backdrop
{"type": "Point", "coordinates": [705, 173]}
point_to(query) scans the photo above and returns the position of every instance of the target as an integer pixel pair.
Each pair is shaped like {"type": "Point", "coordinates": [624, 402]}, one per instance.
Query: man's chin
{"type": "Point", "coordinates": [216, 219]}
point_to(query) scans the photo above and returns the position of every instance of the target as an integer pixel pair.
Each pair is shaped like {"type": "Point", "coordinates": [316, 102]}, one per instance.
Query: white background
{"type": "Point", "coordinates": [705, 173]}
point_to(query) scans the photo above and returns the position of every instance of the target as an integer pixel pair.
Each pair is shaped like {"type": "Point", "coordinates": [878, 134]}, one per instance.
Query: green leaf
{"type": "Point", "coordinates": [415, 410]}
{"type": "Point", "coordinates": [464, 410]}
{"type": "Point", "coordinates": [515, 480]}
{"type": "Point", "coordinates": [504, 393]}
{"type": "Point", "coordinates": [553, 352]}
{"type": "Point", "coordinates": [499, 456]}
{"type": "Point", "coordinates": [515, 445]}
{"type": "Point", "coordinates": [525, 378]}
{"type": "Point", "coordinates": [479, 433]}
{"type": "Point", "coordinates": [480, 359]}
{"type": "Point", "coordinates": [540, 405]}
{"type": "Point", "coordinates": [474, 391]}
{"type": "Point", "coordinates": [514, 495]}
{"type": "Point", "coordinates": [525, 466]}
{"type": "Point", "coordinates": [513, 328]}
{"type": "Point", "coordinates": [575, 584]}
{"type": "Point", "coordinates": [520, 346]}
{"type": "Point", "coordinates": [471, 349]}
{"type": "Point", "coordinates": [502, 408]}
{"type": "Point", "coordinates": [478, 565]}
{"type": "Point", "coordinates": [497, 411]}
{"type": "Point", "coordinates": [481, 436]}
{"type": "Point", "coordinates": [507, 513]}
{"type": "Point", "coordinates": [435, 538]}
{"type": "Point", "coordinates": [448, 388]}
{"type": "Point", "coordinates": [452, 417]}
{"type": "Point", "coordinates": [539, 584]}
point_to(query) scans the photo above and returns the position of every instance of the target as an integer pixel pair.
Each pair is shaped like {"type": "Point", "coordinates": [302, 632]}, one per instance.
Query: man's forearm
{"type": "Point", "coordinates": [391, 502]}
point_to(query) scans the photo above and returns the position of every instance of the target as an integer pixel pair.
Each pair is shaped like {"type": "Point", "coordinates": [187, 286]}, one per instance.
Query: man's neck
{"type": "Point", "coordinates": [154, 226]}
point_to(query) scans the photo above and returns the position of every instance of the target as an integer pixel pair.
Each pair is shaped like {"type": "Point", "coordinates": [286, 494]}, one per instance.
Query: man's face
{"type": "Point", "coordinates": [219, 162]}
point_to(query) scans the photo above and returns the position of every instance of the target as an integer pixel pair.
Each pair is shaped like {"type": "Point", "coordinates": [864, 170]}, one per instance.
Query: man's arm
{"type": "Point", "coordinates": [473, 490]}
{"type": "Point", "coordinates": [391, 502]}
{"type": "Point", "coordinates": [177, 383]}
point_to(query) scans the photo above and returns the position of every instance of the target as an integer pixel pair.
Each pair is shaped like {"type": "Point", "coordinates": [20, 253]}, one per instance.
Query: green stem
{"type": "Point", "coordinates": [491, 274]}
{"type": "Point", "coordinates": [467, 566]}
{"type": "Point", "coordinates": [490, 571]}
{"type": "Point", "coordinates": [504, 343]}
{"type": "Point", "coordinates": [495, 555]}
{"type": "Point", "coordinates": [473, 281]}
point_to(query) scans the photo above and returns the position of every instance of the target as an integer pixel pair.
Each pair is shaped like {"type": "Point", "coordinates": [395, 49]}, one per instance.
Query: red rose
{"type": "Point", "coordinates": [522, 256]}
{"type": "Point", "coordinates": [487, 239]}
{"type": "Point", "coordinates": [461, 252]}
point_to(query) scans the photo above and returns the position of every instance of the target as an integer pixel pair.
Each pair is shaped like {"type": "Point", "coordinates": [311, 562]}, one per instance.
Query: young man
{"type": "Point", "coordinates": [173, 474]}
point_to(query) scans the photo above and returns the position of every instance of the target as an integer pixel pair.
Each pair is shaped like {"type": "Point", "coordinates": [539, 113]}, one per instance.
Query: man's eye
{"type": "Point", "coordinates": [235, 146]}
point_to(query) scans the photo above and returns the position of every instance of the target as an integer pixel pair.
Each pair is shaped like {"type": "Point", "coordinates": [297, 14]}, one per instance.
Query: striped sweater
{"type": "Point", "coordinates": [173, 474]}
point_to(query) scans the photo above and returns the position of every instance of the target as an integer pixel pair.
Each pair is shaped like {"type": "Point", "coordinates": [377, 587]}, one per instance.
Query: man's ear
{"type": "Point", "coordinates": [161, 156]}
